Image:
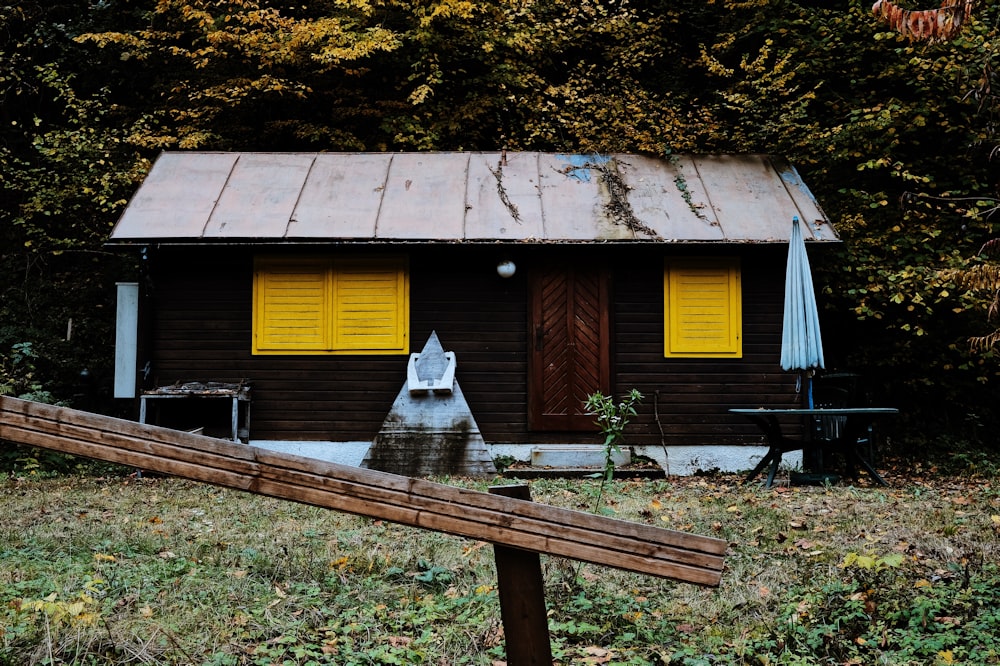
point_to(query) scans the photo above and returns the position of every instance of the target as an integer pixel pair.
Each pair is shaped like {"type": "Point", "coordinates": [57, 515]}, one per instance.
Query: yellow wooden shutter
{"type": "Point", "coordinates": [702, 307]}
{"type": "Point", "coordinates": [371, 305]}
{"type": "Point", "coordinates": [291, 306]}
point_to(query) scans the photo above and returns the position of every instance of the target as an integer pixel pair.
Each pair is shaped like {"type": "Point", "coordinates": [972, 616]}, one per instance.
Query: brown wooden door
{"type": "Point", "coordinates": [569, 337]}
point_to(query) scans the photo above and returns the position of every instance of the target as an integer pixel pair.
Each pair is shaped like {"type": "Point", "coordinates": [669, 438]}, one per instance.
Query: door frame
{"type": "Point", "coordinates": [577, 421]}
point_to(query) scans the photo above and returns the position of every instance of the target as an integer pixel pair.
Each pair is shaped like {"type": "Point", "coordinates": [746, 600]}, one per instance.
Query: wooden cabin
{"type": "Point", "coordinates": [311, 277]}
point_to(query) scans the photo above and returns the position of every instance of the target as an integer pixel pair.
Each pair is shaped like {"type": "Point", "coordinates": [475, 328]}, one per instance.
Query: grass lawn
{"type": "Point", "coordinates": [117, 570]}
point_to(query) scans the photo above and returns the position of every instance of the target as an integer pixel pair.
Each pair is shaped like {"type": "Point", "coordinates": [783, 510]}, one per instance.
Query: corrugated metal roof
{"type": "Point", "coordinates": [468, 197]}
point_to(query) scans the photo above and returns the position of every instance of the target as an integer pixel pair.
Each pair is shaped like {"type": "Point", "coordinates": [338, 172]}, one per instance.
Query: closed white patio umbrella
{"type": "Point", "coordinates": [801, 342]}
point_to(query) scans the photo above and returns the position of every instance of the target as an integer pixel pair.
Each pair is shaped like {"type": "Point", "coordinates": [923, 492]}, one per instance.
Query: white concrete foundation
{"type": "Point", "coordinates": [342, 453]}
{"type": "Point", "coordinates": [689, 460]}
{"type": "Point", "coordinates": [676, 460]}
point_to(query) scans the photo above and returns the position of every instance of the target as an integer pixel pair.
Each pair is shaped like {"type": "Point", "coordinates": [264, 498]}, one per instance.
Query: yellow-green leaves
{"type": "Point", "coordinates": [872, 561]}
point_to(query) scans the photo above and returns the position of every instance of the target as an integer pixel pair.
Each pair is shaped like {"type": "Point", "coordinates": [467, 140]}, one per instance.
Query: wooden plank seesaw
{"type": "Point", "coordinates": [506, 522]}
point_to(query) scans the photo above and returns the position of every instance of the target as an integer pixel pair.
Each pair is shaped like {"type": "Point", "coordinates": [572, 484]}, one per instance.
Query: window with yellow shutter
{"type": "Point", "coordinates": [702, 302]}
{"type": "Point", "coordinates": [357, 305]}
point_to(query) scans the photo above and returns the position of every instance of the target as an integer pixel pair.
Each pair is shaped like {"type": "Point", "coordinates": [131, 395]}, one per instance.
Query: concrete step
{"type": "Point", "coordinates": [576, 456]}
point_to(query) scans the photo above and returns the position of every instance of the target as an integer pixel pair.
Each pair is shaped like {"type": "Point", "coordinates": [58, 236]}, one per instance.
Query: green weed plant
{"type": "Point", "coordinates": [612, 418]}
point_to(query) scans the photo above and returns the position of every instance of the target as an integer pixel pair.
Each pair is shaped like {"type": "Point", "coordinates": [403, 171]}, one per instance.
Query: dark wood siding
{"type": "Point", "coordinates": [483, 319]}
{"type": "Point", "coordinates": [686, 398]}
{"type": "Point", "coordinates": [200, 329]}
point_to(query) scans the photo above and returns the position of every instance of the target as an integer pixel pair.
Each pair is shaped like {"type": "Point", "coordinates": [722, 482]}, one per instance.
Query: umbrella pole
{"type": "Point", "coordinates": [812, 459]}
{"type": "Point", "coordinates": [804, 381]}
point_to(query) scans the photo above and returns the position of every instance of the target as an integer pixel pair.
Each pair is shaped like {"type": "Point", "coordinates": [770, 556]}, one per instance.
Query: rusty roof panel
{"type": "Point", "coordinates": [177, 197]}
{"type": "Point", "coordinates": [469, 197]}
{"type": "Point", "coordinates": [424, 197]}
{"type": "Point", "coordinates": [749, 197]}
{"type": "Point", "coordinates": [504, 201]}
{"type": "Point", "coordinates": [735, 184]}
{"type": "Point", "coordinates": [258, 199]}
{"type": "Point", "coordinates": [341, 197]}
{"type": "Point", "coordinates": [573, 202]}
{"type": "Point", "coordinates": [668, 197]}
{"type": "Point", "coordinates": [815, 225]}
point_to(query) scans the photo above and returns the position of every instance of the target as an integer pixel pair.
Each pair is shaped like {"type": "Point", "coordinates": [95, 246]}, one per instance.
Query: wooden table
{"type": "Point", "coordinates": [856, 421]}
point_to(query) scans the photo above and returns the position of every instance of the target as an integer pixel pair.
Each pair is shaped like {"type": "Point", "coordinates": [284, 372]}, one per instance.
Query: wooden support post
{"type": "Point", "coordinates": [522, 597]}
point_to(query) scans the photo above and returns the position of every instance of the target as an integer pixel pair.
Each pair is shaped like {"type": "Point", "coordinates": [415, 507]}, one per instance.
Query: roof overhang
{"type": "Point", "coordinates": [469, 198]}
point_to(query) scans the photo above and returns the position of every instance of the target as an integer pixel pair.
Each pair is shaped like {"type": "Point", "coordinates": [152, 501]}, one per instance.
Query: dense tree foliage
{"type": "Point", "coordinates": [896, 137]}
{"type": "Point", "coordinates": [65, 172]}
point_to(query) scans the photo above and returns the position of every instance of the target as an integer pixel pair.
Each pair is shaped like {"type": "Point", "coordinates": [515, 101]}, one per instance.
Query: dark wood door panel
{"type": "Point", "coordinates": [570, 357]}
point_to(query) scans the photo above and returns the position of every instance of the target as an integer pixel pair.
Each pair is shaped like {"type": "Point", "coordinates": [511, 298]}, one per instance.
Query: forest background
{"type": "Point", "coordinates": [897, 139]}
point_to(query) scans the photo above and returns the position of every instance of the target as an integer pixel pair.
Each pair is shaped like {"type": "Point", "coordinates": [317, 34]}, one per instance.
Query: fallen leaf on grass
{"type": "Point", "coordinates": [595, 651]}
{"type": "Point", "coordinates": [467, 550]}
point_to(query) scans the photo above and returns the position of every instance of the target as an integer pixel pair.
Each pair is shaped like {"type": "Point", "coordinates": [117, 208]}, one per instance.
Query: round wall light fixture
{"type": "Point", "coordinates": [506, 268]}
